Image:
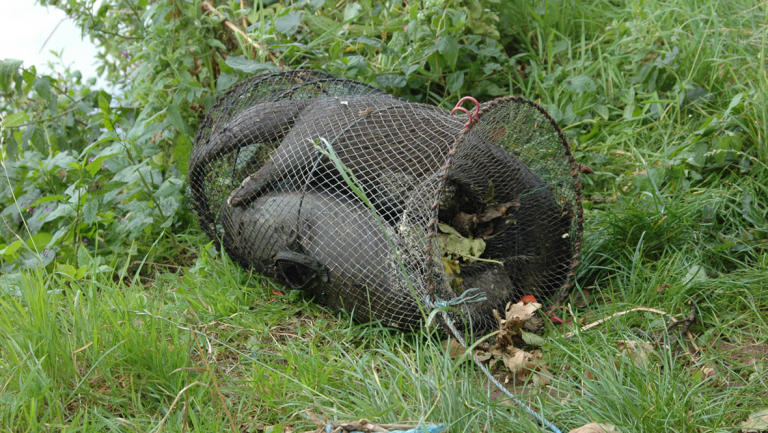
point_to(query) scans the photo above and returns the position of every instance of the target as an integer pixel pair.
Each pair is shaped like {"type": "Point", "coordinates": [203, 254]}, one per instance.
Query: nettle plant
{"type": "Point", "coordinates": [78, 171]}
{"type": "Point", "coordinates": [87, 173]}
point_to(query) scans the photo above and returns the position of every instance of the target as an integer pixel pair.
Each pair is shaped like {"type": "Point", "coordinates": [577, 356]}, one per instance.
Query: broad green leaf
{"type": "Point", "coordinates": [215, 43]}
{"type": "Point", "coordinates": [736, 100]}
{"type": "Point", "coordinates": [90, 211]}
{"type": "Point", "coordinates": [103, 9]}
{"type": "Point", "coordinates": [48, 198]}
{"type": "Point", "coordinates": [29, 74]}
{"type": "Point", "coordinates": [321, 25]}
{"type": "Point", "coordinates": [94, 166]}
{"type": "Point", "coordinates": [39, 241]}
{"type": "Point", "coordinates": [225, 81]}
{"type": "Point", "coordinates": [104, 99]}
{"type": "Point", "coordinates": [445, 228]}
{"type": "Point", "coordinates": [63, 234]}
{"type": "Point", "coordinates": [8, 67]}
{"type": "Point", "coordinates": [448, 47]}
{"type": "Point", "coordinates": [135, 225]}
{"type": "Point", "coordinates": [242, 64]}
{"type": "Point", "coordinates": [580, 84]}
{"type": "Point", "coordinates": [66, 269]}
{"type": "Point", "coordinates": [453, 244]}
{"type": "Point", "coordinates": [181, 150]}
{"type": "Point", "coordinates": [106, 111]}
{"type": "Point", "coordinates": [532, 339]}
{"type": "Point", "coordinates": [602, 110]}
{"type": "Point", "coordinates": [80, 272]}
{"type": "Point", "coordinates": [352, 11]}
{"type": "Point", "coordinates": [62, 160]}
{"type": "Point", "coordinates": [169, 188]}
{"type": "Point", "coordinates": [43, 87]}
{"type": "Point", "coordinates": [106, 137]}
{"type": "Point", "coordinates": [391, 80]}
{"type": "Point", "coordinates": [9, 251]}
{"type": "Point", "coordinates": [288, 24]}
{"type": "Point", "coordinates": [14, 120]}
{"type": "Point", "coordinates": [37, 259]}
{"type": "Point", "coordinates": [454, 81]}
{"type": "Point", "coordinates": [62, 210]}
{"type": "Point", "coordinates": [174, 117]}
{"type": "Point", "coordinates": [492, 67]}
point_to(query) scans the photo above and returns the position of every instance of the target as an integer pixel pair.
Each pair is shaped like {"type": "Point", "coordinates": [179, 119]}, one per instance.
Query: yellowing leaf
{"type": "Point", "coordinates": [638, 351]}
{"type": "Point", "coordinates": [451, 266]}
{"type": "Point", "coordinates": [596, 428]}
{"type": "Point", "coordinates": [454, 348]}
{"type": "Point", "coordinates": [532, 339]}
{"type": "Point", "coordinates": [518, 362]}
{"type": "Point", "coordinates": [756, 422]}
{"type": "Point", "coordinates": [453, 244]}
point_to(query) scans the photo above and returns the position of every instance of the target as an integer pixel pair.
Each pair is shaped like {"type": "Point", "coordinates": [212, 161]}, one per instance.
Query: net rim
{"type": "Point", "coordinates": [575, 170]}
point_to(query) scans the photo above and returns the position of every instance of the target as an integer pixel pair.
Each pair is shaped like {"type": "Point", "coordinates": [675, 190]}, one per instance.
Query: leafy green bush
{"type": "Point", "coordinates": [79, 171]}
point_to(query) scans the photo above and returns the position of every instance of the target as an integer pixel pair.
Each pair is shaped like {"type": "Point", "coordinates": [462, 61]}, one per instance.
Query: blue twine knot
{"type": "Point", "coordinates": [437, 305]}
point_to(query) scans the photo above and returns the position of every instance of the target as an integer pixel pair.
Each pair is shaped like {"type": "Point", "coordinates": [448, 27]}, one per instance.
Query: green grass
{"type": "Point", "coordinates": [666, 101]}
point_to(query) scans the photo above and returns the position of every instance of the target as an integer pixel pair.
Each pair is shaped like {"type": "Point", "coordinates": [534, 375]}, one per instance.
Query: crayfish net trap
{"type": "Point", "coordinates": [374, 204]}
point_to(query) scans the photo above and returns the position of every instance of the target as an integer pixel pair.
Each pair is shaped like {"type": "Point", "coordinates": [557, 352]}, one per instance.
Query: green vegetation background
{"type": "Point", "coordinates": [116, 314]}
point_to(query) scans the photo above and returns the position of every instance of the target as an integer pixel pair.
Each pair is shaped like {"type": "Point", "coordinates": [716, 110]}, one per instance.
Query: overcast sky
{"type": "Point", "coordinates": [24, 27]}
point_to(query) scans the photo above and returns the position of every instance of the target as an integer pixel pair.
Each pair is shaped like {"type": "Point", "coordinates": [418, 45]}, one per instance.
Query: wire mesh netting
{"type": "Point", "coordinates": [370, 203]}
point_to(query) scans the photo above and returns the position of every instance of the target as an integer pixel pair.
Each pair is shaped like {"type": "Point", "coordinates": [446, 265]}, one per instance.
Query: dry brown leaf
{"type": "Point", "coordinates": [582, 298]}
{"type": "Point", "coordinates": [503, 352]}
{"type": "Point", "coordinates": [315, 418]}
{"type": "Point", "coordinates": [521, 311]}
{"type": "Point", "coordinates": [454, 348]}
{"type": "Point", "coordinates": [638, 351]}
{"type": "Point", "coordinates": [542, 376]}
{"type": "Point", "coordinates": [515, 316]}
{"type": "Point", "coordinates": [482, 355]}
{"type": "Point", "coordinates": [596, 428]}
{"type": "Point", "coordinates": [518, 362]}
{"type": "Point", "coordinates": [277, 428]}
{"type": "Point", "coordinates": [708, 371]}
{"type": "Point", "coordinates": [497, 211]}
{"type": "Point", "coordinates": [756, 422]}
{"type": "Point", "coordinates": [534, 324]}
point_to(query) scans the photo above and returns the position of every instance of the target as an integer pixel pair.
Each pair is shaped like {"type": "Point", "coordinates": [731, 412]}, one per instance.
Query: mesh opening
{"type": "Point", "coordinates": [367, 201]}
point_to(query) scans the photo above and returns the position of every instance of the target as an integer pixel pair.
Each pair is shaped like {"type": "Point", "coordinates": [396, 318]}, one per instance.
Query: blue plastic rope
{"type": "Point", "coordinates": [469, 296]}
{"type": "Point", "coordinates": [437, 305]}
{"type": "Point", "coordinates": [498, 384]}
